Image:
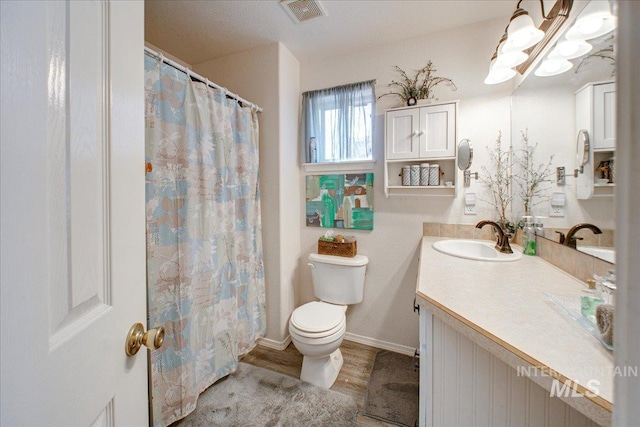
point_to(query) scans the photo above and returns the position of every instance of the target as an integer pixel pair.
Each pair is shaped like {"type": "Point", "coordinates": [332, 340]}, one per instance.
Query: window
{"type": "Point", "coordinates": [337, 123]}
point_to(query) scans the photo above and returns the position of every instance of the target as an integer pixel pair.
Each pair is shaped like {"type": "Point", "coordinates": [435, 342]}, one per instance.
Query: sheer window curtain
{"type": "Point", "coordinates": [337, 123]}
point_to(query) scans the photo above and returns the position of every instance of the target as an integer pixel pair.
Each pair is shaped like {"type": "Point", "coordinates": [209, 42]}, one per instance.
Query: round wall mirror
{"type": "Point", "coordinates": [582, 149]}
{"type": "Point", "coordinates": [465, 154]}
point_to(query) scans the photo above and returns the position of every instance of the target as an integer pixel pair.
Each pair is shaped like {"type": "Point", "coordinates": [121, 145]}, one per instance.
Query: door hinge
{"type": "Point", "coordinates": [416, 307]}
{"type": "Point", "coordinates": [416, 360]}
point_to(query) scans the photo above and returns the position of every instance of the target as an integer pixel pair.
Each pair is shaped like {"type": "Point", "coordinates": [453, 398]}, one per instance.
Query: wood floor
{"type": "Point", "coordinates": [352, 380]}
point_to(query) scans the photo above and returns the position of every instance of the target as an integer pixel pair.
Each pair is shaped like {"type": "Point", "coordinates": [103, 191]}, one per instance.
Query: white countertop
{"type": "Point", "coordinates": [506, 302]}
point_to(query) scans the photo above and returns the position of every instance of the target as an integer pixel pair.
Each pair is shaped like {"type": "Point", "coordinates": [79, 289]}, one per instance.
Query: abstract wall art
{"type": "Point", "coordinates": [340, 201]}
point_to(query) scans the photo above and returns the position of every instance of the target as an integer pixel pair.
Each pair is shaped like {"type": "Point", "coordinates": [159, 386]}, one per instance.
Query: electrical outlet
{"type": "Point", "coordinates": [556, 211]}
{"type": "Point", "coordinates": [470, 209]}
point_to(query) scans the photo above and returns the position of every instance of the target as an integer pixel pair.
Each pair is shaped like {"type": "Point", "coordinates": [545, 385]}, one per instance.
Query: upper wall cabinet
{"type": "Point", "coordinates": [417, 138]}
{"type": "Point", "coordinates": [421, 132]}
{"type": "Point", "coordinates": [596, 113]}
{"type": "Point", "coordinates": [604, 116]}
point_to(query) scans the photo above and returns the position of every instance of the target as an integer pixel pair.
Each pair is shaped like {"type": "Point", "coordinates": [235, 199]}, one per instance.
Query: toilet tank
{"type": "Point", "coordinates": [338, 280]}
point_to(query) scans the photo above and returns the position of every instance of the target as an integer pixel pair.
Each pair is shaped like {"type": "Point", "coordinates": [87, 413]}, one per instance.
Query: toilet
{"type": "Point", "coordinates": [317, 328]}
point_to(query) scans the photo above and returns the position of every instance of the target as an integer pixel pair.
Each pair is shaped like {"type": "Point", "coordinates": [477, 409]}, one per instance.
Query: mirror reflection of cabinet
{"type": "Point", "coordinates": [595, 113]}
{"type": "Point", "coordinates": [420, 134]}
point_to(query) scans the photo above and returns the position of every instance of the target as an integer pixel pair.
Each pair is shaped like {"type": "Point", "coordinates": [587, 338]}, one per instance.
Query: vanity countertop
{"type": "Point", "coordinates": [506, 303]}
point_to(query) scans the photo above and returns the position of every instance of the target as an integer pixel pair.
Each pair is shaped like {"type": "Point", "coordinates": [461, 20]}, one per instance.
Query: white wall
{"type": "Point", "coordinates": [289, 203]}
{"type": "Point", "coordinates": [268, 76]}
{"type": "Point", "coordinates": [463, 55]}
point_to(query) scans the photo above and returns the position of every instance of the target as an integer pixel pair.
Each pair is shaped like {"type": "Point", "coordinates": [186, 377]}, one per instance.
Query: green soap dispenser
{"type": "Point", "coordinates": [528, 236]}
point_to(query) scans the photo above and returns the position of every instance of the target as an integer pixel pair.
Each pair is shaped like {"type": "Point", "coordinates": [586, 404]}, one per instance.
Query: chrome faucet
{"type": "Point", "coordinates": [571, 240]}
{"type": "Point", "coordinates": [502, 245]}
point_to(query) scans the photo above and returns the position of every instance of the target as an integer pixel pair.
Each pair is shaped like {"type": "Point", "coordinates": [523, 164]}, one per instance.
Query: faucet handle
{"type": "Point", "coordinates": [561, 237]}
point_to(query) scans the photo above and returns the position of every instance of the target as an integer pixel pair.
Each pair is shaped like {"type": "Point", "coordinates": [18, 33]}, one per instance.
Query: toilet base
{"type": "Point", "coordinates": [323, 370]}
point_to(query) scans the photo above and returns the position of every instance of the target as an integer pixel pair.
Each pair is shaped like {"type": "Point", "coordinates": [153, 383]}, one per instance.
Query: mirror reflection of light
{"type": "Point", "coordinates": [594, 21]}
{"type": "Point", "coordinates": [590, 25]}
{"type": "Point", "coordinates": [570, 49]}
{"type": "Point", "coordinates": [552, 67]}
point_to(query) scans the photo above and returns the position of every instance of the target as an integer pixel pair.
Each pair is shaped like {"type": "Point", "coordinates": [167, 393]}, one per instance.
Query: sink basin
{"type": "Point", "coordinates": [602, 253]}
{"type": "Point", "coordinates": [480, 250]}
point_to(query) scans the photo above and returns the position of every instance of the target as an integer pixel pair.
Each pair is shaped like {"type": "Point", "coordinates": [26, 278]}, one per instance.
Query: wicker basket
{"type": "Point", "coordinates": [347, 249]}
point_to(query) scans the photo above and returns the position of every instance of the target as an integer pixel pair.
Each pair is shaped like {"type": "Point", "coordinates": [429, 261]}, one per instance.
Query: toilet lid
{"type": "Point", "coordinates": [317, 317]}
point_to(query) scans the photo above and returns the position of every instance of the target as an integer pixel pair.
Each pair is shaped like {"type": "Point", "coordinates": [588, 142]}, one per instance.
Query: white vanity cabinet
{"type": "Point", "coordinates": [596, 113]}
{"type": "Point", "coordinates": [421, 134]}
{"type": "Point", "coordinates": [495, 352]}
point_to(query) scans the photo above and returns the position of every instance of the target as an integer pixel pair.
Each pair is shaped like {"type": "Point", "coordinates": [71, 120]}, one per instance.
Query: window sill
{"type": "Point", "coordinates": [350, 166]}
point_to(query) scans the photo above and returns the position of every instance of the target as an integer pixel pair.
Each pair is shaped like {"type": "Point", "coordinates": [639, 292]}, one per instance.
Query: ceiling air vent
{"type": "Point", "coordinates": [303, 10]}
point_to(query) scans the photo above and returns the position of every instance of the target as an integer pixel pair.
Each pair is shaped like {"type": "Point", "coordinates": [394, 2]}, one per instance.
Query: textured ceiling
{"type": "Point", "coordinates": [198, 31]}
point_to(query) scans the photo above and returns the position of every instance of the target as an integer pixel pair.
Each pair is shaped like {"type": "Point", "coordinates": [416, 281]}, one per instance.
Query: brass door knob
{"type": "Point", "coordinates": [152, 339]}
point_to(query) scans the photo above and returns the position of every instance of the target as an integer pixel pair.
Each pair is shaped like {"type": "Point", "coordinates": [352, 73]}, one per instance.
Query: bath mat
{"type": "Point", "coordinates": [392, 393]}
{"type": "Point", "coordinates": [254, 396]}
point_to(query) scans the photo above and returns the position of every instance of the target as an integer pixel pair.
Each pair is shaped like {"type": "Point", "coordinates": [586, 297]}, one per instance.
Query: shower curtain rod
{"type": "Point", "coordinates": [198, 77]}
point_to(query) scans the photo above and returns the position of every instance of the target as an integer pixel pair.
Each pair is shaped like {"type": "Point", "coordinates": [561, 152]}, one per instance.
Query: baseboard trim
{"type": "Point", "coordinates": [372, 342]}
{"type": "Point", "coordinates": [276, 345]}
{"type": "Point", "coordinates": [383, 345]}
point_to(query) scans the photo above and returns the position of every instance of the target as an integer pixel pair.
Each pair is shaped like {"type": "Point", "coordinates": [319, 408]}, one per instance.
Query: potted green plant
{"type": "Point", "coordinates": [419, 87]}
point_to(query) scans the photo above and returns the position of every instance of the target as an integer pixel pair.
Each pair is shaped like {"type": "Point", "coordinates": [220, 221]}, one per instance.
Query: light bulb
{"type": "Point", "coordinates": [569, 49]}
{"type": "Point", "coordinates": [498, 74]}
{"type": "Point", "coordinates": [521, 32]}
{"type": "Point", "coordinates": [552, 67]}
{"type": "Point", "coordinates": [594, 21]}
{"type": "Point", "coordinates": [590, 26]}
{"type": "Point", "coordinates": [509, 59]}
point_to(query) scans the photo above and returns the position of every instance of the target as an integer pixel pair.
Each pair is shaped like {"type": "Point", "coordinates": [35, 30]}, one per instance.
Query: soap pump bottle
{"type": "Point", "coordinates": [528, 236]}
{"type": "Point", "coordinates": [538, 225]}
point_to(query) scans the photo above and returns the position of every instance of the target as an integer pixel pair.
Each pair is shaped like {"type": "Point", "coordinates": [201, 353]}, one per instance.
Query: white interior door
{"type": "Point", "coordinates": [72, 213]}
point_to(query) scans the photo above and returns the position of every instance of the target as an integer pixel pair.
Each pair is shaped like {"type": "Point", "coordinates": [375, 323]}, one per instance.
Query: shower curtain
{"type": "Point", "coordinates": [205, 267]}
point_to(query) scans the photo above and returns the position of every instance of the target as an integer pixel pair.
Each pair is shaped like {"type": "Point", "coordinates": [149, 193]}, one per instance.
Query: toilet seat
{"type": "Point", "coordinates": [318, 319]}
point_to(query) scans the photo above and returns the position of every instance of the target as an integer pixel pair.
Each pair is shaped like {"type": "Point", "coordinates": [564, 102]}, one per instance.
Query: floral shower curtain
{"type": "Point", "coordinates": [204, 251]}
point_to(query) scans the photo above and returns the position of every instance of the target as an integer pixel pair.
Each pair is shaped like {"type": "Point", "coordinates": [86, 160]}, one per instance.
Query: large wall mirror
{"type": "Point", "coordinates": [544, 109]}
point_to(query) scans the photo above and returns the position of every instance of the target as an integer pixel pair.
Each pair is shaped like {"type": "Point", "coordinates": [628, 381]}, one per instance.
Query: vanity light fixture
{"type": "Point", "coordinates": [524, 41]}
{"type": "Point", "coordinates": [497, 73]}
{"type": "Point", "coordinates": [594, 21]}
{"type": "Point", "coordinates": [509, 59]}
{"type": "Point", "coordinates": [521, 32]}
{"type": "Point", "coordinates": [552, 67]}
{"type": "Point", "coordinates": [569, 49]}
